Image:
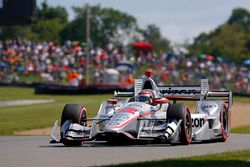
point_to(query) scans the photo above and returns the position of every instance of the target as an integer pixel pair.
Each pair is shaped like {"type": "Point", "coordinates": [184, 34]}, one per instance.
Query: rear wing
{"type": "Point", "coordinates": [190, 92]}
{"type": "Point", "coordinates": [196, 92]}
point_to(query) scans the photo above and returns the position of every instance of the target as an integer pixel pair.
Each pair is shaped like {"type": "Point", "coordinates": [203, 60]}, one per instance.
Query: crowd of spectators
{"type": "Point", "coordinates": [66, 65]}
{"type": "Point", "coordinates": [54, 63]}
{"type": "Point", "coordinates": [183, 69]}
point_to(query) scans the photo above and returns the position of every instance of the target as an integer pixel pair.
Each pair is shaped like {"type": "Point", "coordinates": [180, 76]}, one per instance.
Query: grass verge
{"type": "Point", "coordinates": [40, 115]}
{"type": "Point", "coordinates": [228, 159]}
{"type": "Point", "coordinates": [241, 130]}
{"type": "Point", "coordinates": [43, 115]}
{"type": "Point", "coordinates": [237, 99]}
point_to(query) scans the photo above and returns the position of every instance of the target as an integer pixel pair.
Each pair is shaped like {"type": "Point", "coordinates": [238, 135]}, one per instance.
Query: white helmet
{"type": "Point", "coordinates": [146, 96]}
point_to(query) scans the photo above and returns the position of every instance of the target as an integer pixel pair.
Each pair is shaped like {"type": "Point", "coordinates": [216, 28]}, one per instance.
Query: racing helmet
{"type": "Point", "coordinates": [145, 96]}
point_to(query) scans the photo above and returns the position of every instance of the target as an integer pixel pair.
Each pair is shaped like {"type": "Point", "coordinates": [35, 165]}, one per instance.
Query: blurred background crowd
{"type": "Point", "coordinates": [97, 47]}
{"type": "Point", "coordinates": [52, 63]}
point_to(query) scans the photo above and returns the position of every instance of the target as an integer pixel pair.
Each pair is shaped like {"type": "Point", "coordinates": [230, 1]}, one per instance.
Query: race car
{"type": "Point", "coordinates": [150, 114]}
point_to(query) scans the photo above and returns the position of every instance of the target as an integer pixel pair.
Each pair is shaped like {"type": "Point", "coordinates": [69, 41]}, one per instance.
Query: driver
{"type": "Point", "coordinates": [145, 96]}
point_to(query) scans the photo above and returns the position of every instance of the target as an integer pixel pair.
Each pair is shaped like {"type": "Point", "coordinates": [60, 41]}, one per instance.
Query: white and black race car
{"type": "Point", "coordinates": [150, 114]}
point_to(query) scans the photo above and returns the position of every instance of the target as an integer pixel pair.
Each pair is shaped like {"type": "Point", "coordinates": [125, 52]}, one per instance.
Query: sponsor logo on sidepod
{"type": "Point", "coordinates": [209, 107]}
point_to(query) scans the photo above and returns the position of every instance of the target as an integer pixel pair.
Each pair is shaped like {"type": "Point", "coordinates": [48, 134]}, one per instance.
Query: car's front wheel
{"type": "Point", "coordinates": [181, 112]}
{"type": "Point", "coordinates": [75, 113]}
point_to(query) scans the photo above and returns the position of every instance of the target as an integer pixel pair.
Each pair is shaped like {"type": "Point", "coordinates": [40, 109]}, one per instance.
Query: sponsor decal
{"type": "Point", "coordinates": [198, 122]}
{"type": "Point", "coordinates": [135, 105]}
{"type": "Point", "coordinates": [180, 91]}
{"type": "Point", "coordinates": [124, 122]}
{"type": "Point", "coordinates": [209, 107]}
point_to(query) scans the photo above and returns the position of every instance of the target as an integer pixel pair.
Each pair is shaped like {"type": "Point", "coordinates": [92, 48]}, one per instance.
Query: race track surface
{"type": "Point", "coordinates": [30, 151]}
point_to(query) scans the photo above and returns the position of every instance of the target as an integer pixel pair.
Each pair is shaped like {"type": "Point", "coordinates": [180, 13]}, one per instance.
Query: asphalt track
{"type": "Point", "coordinates": [35, 151]}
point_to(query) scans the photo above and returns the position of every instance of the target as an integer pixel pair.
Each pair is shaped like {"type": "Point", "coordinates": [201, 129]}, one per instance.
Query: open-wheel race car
{"type": "Point", "coordinates": [150, 114]}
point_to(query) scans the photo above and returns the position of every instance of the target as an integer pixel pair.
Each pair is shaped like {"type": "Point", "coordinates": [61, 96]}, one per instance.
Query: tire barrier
{"type": "Point", "coordinates": [57, 89]}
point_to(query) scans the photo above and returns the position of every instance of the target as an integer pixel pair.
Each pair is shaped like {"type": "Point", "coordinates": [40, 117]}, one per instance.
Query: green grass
{"type": "Point", "coordinates": [229, 159]}
{"type": "Point", "coordinates": [40, 115]}
{"type": "Point", "coordinates": [43, 115]}
{"type": "Point", "coordinates": [237, 99]}
{"type": "Point", "coordinates": [30, 78]}
{"type": "Point", "coordinates": [241, 130]}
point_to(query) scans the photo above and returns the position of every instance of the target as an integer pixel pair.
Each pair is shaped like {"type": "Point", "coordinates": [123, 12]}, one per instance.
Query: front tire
{"type": "Point", "coordinates": [75, 113]}
{"type": "Point", "coordinates": [181, 112]}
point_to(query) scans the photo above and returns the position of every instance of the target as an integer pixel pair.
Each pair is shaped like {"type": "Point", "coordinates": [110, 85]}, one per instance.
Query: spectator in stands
{"type": "Point", "coordinates": [65, 64]}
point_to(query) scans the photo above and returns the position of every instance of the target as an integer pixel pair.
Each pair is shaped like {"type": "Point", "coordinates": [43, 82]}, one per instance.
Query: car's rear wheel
{"type": "Point", "coordinates": [181, 112]}
{"type": "Point", "coordinates": [75, 113]}
{"type": "Point", "coordinates": [224, 124]}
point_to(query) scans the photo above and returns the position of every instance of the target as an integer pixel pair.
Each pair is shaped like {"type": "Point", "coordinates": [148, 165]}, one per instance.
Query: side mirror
{"type": "Point", "coordinates": [162, 100]}
{"type": "Point", "coordinates": [112, 101]}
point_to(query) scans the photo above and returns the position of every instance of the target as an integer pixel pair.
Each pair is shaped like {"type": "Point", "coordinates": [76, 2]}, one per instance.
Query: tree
{"type": "Point", "coordinates": [48, 30]}
{"type": "Point", "coordinates": [13, 32]}
{"type": "Point", "coordinates": [239, 16]}
{"type": "Point", "coordinates": [231, 39]}
{"type": "Point", "coordinates": [230, 42]}
{"type": "Point", "coordinates": [45, 12]}
{"type": "Point", "coordinates": [49, 23]}
{"type": "Point", "coordinates": [153, 35]}
{"type": "Point", "coordinates": [107, 25]}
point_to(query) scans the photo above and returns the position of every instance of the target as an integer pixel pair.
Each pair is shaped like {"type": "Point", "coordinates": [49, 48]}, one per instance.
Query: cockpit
{"type": "Point", "coordinates": [145, 96]}
{"type": "Point", "coordinates": [145, 99]}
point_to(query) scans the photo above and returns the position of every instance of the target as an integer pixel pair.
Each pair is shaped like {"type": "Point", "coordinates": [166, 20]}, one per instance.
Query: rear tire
{"type": "Point", "coordinates": [76, 113]}
{"type": "Point", "coordinates": [224, 124]}
{"type": "Point", "coordinates": [181, 112]}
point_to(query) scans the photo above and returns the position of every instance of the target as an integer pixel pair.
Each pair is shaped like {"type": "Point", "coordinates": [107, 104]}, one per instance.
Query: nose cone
{"type": "Point", "coordinates": [119, 121]}
{"type": "Point", "coordinates": [126, 118]}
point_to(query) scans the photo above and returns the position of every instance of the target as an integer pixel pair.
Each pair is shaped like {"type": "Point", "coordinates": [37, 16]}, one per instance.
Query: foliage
{"type": "Point", "coordinates": [153, 35]}
{"type": "Point", "coordinates": [46, 12]}
{"type": "Point", "coordinates": [106, 25]}
{"type": "Point", "coordinates": [231, 39]}
{"type": "Point", "coordinates": [48, 30]}
{"type": "Point", "coordinates": [13, 32]}
{"type": "Point", "coordinates": [49, 22]}
{"type": "Point", "coordinates": [240, 16]}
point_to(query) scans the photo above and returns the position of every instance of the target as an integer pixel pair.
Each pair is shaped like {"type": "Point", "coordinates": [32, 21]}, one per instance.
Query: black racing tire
{"type": "Point", "coordinates": [224, 119]}
{"type": "Point", "coordinates": [76, 113]}
{"type": "Point", "coordinates": [71, 143]}
{"type": "Point", "coordinates": [181, 112]}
